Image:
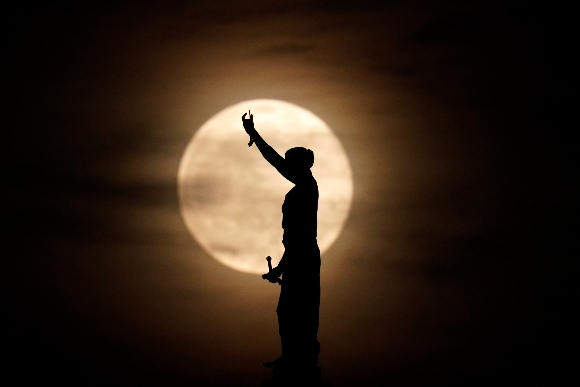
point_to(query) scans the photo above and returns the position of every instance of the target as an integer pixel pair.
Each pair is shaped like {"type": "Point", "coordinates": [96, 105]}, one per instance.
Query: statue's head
{"type": "Point", "coordinates": [300, 158]}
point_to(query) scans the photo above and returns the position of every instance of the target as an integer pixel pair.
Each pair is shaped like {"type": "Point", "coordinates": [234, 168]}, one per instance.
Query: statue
{"type": "Point", "coordinates": [299, 302]}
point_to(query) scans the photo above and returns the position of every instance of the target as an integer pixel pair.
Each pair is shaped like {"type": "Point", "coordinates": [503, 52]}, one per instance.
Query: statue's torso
{"type": "Point", "coordinates": [299, 212]}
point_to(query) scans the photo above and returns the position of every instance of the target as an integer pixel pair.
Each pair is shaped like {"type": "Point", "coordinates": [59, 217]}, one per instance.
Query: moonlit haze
{"type": "Point", "coordinates": [136, 217]}
{"type": "Point", "coordinates": [231, 197]}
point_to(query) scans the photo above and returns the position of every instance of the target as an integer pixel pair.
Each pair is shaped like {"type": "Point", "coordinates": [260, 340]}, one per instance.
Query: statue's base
{"type": "Point", "coordinates": [296, 376]}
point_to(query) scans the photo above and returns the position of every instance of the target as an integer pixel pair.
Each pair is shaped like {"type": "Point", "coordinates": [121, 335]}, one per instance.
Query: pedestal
{"type": "Point", "coordinates": [296, 376]}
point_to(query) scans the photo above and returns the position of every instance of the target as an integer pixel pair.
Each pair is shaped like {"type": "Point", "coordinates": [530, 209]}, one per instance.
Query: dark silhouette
{"type": "Point", "coordinates": [299, 301]}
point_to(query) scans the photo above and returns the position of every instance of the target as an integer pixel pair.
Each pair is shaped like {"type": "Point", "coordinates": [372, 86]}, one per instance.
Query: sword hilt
{"type": "Point", "coordinates": [269, 259]}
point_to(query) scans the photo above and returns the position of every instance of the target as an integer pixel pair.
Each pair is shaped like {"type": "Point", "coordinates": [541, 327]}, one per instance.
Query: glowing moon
{"type": "Point", "coordinates": [231, 198]}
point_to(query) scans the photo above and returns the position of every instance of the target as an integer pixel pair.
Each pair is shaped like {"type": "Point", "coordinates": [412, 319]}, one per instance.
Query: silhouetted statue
{"type": "Point", "coordinates": [299, 301]}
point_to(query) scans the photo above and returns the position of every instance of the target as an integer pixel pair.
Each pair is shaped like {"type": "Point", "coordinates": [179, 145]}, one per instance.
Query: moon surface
{"type": "Point", "coordinates": [231, 198]}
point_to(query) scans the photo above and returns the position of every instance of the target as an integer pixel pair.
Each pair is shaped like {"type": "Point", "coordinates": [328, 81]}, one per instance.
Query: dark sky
{"type": "Point", "coordinates": [446, 270]}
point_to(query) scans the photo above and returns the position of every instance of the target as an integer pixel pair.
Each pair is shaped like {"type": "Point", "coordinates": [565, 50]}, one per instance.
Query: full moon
{"type": "Point", "coordinates": [231, 198]}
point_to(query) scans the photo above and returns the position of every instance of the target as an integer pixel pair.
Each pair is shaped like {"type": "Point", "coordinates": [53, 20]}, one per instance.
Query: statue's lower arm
{"type": "Point", "coordinates": [266, 150]}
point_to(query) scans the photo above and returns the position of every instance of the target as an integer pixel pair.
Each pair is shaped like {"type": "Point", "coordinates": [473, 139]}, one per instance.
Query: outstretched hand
{"type": "Point", "coordinates": [249, 126]}
{"type": "Point", "coordinates": [248, 122]}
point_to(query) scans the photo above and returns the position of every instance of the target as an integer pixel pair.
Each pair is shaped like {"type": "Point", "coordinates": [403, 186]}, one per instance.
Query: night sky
{"type": "Point", "coordinates": [446, 272]}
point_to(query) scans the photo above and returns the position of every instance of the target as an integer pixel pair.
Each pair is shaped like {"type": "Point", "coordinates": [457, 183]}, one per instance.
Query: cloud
{"type": "Point", "coordinates": [276, 50]}
{"type": "Point", "coordinates": [455, 27]}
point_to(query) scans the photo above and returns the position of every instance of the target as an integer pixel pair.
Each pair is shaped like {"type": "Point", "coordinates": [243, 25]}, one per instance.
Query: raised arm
{"type": "Point", "coordinates": [266, 150]}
